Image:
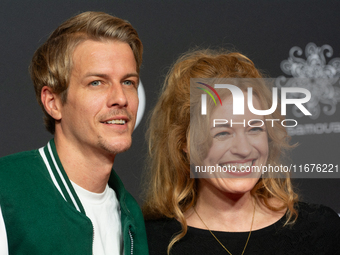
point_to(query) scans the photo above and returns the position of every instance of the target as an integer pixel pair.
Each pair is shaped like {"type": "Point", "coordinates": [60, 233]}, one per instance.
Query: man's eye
{"type": "Point", "coordinates": [95, 83]}
{"type": "Point", "coordinates": [129, 83]}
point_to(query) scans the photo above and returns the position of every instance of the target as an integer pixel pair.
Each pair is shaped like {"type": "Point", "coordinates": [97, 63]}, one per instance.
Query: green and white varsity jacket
{"type": "Point", "coordinates": [43, 214]}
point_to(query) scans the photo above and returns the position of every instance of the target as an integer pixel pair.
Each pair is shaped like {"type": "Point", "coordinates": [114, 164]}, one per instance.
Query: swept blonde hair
{"type": "Point", "coordinates": [169, 189]}
{"type": "Point", "coordinates": [51, 64]}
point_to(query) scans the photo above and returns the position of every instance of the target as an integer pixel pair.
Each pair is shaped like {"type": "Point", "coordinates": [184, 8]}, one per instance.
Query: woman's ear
{"type": "Point", "coordinates": [51, 102]}
{"type": "Point", "coordinates": [185, 149]}
{"type": "Point", "coordinates": [187, 143]}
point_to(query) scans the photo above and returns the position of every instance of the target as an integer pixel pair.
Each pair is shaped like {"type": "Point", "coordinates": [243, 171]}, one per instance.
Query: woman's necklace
{"type": "Point", "coordinates": [251, 226]}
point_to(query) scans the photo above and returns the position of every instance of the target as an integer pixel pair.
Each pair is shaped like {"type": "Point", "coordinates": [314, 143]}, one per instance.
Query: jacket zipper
{"type": "Point", "coordinates": [92, 239]}
{"type": "Point", "coordinates": [131, 239]}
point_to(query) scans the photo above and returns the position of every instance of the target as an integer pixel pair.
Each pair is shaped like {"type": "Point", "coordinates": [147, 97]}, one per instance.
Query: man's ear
{"type": "Point", "coordinates": [51, 102]}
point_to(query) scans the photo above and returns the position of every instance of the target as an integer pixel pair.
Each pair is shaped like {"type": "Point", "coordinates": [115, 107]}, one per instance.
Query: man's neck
{"type": "Point", "coordinates": [89, 169]}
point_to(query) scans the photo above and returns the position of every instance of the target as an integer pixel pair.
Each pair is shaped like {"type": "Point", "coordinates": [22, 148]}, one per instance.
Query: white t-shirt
{"type": "Point", "coordinates": [3, 236]}
{"type": "Point", "coordinates": [103, 210]}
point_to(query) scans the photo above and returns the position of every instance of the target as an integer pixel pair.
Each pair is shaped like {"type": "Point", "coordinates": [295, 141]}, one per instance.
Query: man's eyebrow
{"type": "Point", "coordinates": [102, 75]}
{"type": "Point", "coordinates": [130, 75]}
{"type": "Point", "coordinates": [105, 76]}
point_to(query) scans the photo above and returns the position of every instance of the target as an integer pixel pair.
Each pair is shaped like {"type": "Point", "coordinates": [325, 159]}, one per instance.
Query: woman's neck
{"type": "Point", "coordinates": [230, 212]}
{"type": "Point", "coordinates": [222, 211]}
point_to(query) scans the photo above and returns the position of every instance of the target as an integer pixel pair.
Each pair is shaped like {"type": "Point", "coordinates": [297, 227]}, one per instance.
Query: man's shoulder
{"type": "Point", "coordinates": [21, 160]}
{"type": "Point", "coordinates": [19, 157]}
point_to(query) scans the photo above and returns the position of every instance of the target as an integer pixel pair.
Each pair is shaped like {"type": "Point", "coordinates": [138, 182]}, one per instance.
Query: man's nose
{"type": "Point", "coordinates": [117, 96]}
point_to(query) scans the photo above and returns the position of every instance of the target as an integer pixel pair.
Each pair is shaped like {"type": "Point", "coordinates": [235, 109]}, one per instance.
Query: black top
{"type": "Point", "coordinates": [316, 231]}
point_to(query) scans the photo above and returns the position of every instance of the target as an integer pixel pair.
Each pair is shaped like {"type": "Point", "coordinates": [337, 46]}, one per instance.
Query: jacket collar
{"type": "Point", "coordinates": [62, 182]}
{"type": "Point", "coordinates": [59, 176]}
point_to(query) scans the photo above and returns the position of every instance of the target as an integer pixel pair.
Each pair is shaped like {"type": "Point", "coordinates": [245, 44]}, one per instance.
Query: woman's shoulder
{"type": "Point", "coordinates": [316, 212]}
{"type": "Point", "coordinates": [319, 222]}
{"type": "Point", "coordinates": [162, 229]}
{"type": "Point", "coordinates": [162, 223]}
{"type": "Point", "coordinates": [315, 231]}
{"type": "Point", "coordinates": [159, 233]}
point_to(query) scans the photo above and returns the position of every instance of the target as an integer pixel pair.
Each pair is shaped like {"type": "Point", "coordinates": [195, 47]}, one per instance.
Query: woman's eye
{"type": "Point", "coordinates": [95, 83]}
{"type": "Point", "coordinates": [222, 135]}
{"type": "Point", "coordinates": [256, 129]}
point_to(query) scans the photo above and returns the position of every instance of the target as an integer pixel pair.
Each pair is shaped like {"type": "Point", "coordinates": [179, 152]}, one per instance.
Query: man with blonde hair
{"type": "Point", "coordinates": [65, 198]}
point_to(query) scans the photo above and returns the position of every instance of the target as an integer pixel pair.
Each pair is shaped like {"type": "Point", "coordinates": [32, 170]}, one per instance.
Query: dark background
{"type": "Point", "coordinates": [265, 31]}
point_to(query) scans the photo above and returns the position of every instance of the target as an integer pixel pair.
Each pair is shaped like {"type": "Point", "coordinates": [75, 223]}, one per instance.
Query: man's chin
{"type": "Point", "coordinates": [115, 147]}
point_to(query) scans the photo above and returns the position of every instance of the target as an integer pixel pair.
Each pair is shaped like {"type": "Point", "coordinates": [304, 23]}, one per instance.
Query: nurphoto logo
{"type": "Point", "coordinates": [238, 100]}
{"type": "Point", "coordinates": [238, 103]}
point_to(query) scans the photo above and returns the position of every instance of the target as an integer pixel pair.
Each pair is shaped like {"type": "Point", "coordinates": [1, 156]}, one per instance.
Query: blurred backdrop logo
{"type": "Point", "coordinates": [323, 83]}
{"type": "Point", "coordinates": [141, 105]}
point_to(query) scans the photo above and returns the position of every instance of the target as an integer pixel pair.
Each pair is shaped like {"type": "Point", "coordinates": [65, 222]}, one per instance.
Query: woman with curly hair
{"type": "Point", "coordinates": [191, 211]}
